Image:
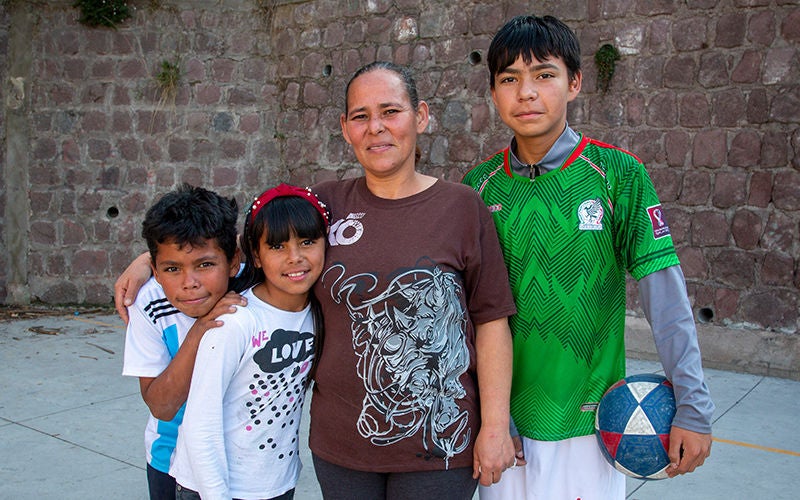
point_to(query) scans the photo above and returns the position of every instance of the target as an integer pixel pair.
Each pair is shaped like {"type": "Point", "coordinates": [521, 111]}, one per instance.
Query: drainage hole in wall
{"type": "Point", "coordinates": [475, 57]}
{"type": "Point", "coordinates": [327, 70]}
{"type": "Point", "coordinates": [705, 315]}
{"type": "Point", "coordinates": [112, 212]}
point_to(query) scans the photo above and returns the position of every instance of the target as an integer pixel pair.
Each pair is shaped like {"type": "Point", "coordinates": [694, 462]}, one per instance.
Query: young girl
{"type": "Point", "coordinates": [239, 437]}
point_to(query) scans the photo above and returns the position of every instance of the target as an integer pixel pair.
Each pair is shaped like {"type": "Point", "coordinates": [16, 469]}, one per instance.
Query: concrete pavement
{"type": "Point", "coordinates": [71, 426]}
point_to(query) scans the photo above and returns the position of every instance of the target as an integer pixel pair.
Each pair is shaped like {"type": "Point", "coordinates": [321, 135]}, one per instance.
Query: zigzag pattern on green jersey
{"type": "Point", "coordinates": [538, 424]}
{"type": "Point", "coordinates": [567, 271]}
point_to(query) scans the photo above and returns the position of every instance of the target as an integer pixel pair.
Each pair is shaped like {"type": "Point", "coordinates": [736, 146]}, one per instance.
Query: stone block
{"type": "Point", "coordinates": [728, 107]}
{"type": "Point", "coordinates": [726, 303]}
{"type": "Point", "coordinates": [690, 34]}
{"type": "Point", "coordinates": [693, 263]}
{"type": "Point", "coordinates": [43, 233]}
{"type": "Point", "coordinates": [90, 263]}
{"type": "Point", "coordinates": [709, 148]}
{"type": "Point", "coordinates": [780, 233]}
{"type": "Point", "coordinates": [761, 28]}
{"type": "Point", "coordinates": [786, 190]}
{"type": "Point", "coordinates": [774, 149]}
{"type": "Point", "coordinates": [131, 69]}
{"type": "Point", "coordinates": [790, 26]}
{"type": "Point", "coordinates": [662, 109]}
{"type": "Point", "coordinates": [224, 177]}
{"type": "Point", "coordinates": [745, 150]}
{"type": "Point", "coordinates": [98, 149]}
{"type": "Point", "coordinates": [315, 94]}
{"type": "Point", "coordinates": [733, 268]}
{"type": "Point", "coordinates": [780, 66]}
{"type": "Point", "coordinates": [785, 106]}
{"type": "Point", "coordinates": [776, 309]}
{"type": "Point", "coordinates": [64, 292]}
{"type": "Point", "coordinates": [250, 123]}
{"type": "Point", "coordinates": [777, 269]}
{"type": "Point", "coordinates": [748, 68]}
{"type": "Point", "coordinates": [676, 146]}
{"type": "Point", "coordinates": [232, 148]}
{"type": "Point", "coordinates": [746, 229]}
{"type": "Point", "coordinates": [693, 110]}
{"type": "Point", "coordinates": [730, 29]}
{"type": "Point", "coordinates": [70, 151]}
{"type": "Point", "coordinates": [760, 192]}
{"type": "Point", "coordinates": [730, 189]}
{"type": "Point", "coordinates": [710, 229]}
{"type": "Point", "coordinates": [178, 149]}
{"type": "Point", "coordinates": [680, 71]}
{"type": "Point", "coordinates": [73, 233]}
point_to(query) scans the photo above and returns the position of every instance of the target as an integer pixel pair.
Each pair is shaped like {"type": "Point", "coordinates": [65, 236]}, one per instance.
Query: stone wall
{"type": "Point", "coordinates": [706, 93]}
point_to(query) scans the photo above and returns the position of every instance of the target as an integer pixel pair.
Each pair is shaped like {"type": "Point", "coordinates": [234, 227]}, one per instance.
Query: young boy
{"type": "Point", "coordinates": [191, 235]}
{"type": "Point", "coordinates": [573, 215]}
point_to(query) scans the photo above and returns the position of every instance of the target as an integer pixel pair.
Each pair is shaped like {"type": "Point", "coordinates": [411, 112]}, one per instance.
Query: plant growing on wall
{"type": "Point", "coordinates": [102, 12]}
{"type": "Point", "coordinates": [168, 79]}
{"type": "Point", "coordinates": [605, 59]}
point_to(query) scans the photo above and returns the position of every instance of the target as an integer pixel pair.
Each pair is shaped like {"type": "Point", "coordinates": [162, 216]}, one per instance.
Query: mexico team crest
{"type": "Point", "coordinates": [590, 214]}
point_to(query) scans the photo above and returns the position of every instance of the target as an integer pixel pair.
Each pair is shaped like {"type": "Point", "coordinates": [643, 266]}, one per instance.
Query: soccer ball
{"type": "Point", "coordinates": [632, 425]}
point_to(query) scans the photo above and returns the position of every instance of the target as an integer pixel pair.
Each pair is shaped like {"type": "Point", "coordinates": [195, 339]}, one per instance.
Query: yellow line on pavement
{"type": "Point", "coordinates": [99, 323]}
{"type": "Point", "coordinates": [757, 447]}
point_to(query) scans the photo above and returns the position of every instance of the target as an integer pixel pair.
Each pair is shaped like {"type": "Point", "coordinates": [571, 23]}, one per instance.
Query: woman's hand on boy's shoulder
{"type": "Point", "coordinates": [129, 282]}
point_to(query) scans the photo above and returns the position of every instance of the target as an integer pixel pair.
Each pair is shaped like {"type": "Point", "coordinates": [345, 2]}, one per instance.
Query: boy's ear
{"type": "Point", "coordinates": [575, 85]}
{"type": "Point", "coordinates": [235, 262]}
{"type": "Point", "coordinates": [154, 271]}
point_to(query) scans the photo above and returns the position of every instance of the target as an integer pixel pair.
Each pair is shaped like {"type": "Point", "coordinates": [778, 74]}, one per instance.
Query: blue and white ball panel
{"type": "Point", "coordinates": [632, 425]}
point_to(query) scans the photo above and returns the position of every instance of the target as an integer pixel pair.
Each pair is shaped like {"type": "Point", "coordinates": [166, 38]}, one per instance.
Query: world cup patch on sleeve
{"type": "Point", "coordinates": [660, 227]}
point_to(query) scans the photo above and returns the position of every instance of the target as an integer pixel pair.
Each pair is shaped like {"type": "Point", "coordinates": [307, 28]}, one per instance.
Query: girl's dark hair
{"type": "Point", "coordinates": [531, 36]}
{"type": "Point", "coordinates": [401, 71]}
{"type": "Point", "coordinates": [276, 222]}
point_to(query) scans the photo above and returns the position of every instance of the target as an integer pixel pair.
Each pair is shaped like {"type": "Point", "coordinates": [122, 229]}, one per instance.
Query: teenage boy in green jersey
{"type": "Point", "coordinates": [573, 215]}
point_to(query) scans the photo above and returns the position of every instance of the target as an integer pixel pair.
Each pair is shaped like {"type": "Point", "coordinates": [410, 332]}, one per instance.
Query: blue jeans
{"type": "Point", "coordinates": [182, 493]}
{"type": "Point", "coordinates": [160, 484]}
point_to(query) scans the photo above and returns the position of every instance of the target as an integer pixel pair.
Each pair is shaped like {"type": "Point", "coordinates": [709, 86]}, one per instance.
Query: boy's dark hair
{"type": "Point", "coordinates": [531, 36]}
{"type": "Point", "coordinates": [189, 216]}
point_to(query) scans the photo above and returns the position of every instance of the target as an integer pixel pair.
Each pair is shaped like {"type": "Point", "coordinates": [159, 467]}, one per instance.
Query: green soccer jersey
{"type": "Point", "coordinates": [568, 237]}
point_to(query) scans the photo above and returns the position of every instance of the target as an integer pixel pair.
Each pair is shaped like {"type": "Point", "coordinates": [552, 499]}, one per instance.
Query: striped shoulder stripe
{"type": "Point", "coordinates": [160, 308]}
{"type": "Point", "coordinates": [611, 146]}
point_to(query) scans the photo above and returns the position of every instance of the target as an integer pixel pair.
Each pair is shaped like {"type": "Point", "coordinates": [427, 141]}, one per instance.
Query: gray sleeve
{"type": "Point", "coordinates": [666, 305]}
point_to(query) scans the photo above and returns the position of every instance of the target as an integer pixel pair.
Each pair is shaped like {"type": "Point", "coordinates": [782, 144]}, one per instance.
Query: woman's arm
{"type": "Point", "coordinates": [494, 449]}
{"type": "Point", "coordinates": [129, 283]}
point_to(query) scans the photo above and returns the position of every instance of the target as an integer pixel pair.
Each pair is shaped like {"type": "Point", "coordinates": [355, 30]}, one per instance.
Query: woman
{"type": "Point", "coordinates": [411, 394]}
{"type": "Point", "coordinates": [415, 299]}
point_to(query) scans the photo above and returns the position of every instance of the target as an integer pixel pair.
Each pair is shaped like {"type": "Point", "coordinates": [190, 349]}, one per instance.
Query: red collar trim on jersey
{"type": "Point", "coordinates": [576, 152]}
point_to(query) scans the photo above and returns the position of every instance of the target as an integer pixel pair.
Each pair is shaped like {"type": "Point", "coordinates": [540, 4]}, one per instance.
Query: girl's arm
{"type": "Point", "coordinates": [203, 427]}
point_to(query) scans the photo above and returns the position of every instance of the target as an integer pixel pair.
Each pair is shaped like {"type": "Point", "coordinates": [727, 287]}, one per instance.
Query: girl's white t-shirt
{"type": "Point", "coordinates": [240, 431]}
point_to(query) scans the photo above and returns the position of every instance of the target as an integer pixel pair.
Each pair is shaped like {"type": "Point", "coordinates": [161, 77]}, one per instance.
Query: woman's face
{"type": "Point", "coordinates": [381, 124]}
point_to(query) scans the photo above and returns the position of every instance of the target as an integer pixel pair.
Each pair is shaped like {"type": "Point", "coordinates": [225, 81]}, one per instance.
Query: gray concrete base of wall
{"type": "Point", "coordinates": [758, 352]}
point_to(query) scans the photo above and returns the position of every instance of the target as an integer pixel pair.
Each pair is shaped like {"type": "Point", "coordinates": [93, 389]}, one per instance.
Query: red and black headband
{"type": "Point", "coordinates": [283, 190]}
